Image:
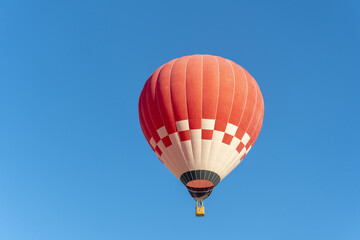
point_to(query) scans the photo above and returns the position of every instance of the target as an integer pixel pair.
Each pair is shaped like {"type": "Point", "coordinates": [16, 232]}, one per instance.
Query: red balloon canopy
{"type": "Point", "coordinates": [201, 115]}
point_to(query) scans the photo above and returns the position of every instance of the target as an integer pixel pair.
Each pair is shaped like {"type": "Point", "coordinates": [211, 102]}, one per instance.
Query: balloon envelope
{"type": "Point", "coordinates": [201, 115]}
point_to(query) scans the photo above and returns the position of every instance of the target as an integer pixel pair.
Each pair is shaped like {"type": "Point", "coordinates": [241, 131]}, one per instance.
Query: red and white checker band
{"type": "Point", "coordinates": [216, 150]}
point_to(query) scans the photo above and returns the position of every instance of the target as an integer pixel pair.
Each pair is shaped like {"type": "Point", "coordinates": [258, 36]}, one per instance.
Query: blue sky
{"type": "Point", "coordinates": [74, 163]}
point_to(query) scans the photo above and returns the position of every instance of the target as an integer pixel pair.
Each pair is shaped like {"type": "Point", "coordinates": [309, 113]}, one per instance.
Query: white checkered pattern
{"type": "Point", "coordinates": [222, 152]}
{"type": "Point", "coordinates": [182, 125]}
{"type": "Point", "coordinates": [231, 129]}
{"type": "Point", "coordinates": [152, 142]}
{"type": "Point", "coordinates": [207, 124]}
{"type": "Point", "coordinates": [162, 132]}
{"type": "Point", "coordinates": [245, 139]}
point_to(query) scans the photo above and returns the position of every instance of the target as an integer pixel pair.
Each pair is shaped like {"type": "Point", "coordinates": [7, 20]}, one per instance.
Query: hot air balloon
{"type": "Point", "coordinates": [201, 115]}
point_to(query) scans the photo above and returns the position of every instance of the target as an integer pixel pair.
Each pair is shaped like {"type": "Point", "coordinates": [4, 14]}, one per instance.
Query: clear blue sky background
{"type": "Point", "coordinates": [75, 165]}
